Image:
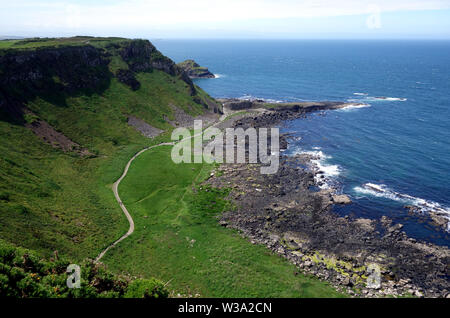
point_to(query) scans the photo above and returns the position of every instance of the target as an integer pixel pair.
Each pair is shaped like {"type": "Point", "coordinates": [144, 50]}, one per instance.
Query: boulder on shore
{"type": "Point", "coordinates": [341, 199]}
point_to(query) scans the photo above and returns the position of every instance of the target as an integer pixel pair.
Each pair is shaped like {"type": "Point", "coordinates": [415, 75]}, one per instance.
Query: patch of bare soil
{"type": "Point", "coordinates": [182, 119]}
{"type": "Point", "coordinates": [56, 139]}
{"type": "Point", "coordinates": [144, 128]}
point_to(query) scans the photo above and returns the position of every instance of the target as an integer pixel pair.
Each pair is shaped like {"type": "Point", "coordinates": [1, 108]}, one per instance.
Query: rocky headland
{"type": "Point", "coordinates": [194, 70]}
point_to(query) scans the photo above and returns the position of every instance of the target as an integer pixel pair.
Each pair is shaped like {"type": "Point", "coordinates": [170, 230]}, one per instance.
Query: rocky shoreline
{"type": "Point", "coordinates": [293, 217]}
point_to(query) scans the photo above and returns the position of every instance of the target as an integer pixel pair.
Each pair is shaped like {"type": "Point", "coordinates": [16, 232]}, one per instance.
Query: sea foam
{"type": "Point", "coordinates": [325, 173]}
{"type": "Point", "coordinates": [424, 206]}
{"type": "Point", "coordinates": [388, 99]}
{"type": "Point", "coordinates": [354, 106]}
{"type": "Point", "coordinates": [253, 98]}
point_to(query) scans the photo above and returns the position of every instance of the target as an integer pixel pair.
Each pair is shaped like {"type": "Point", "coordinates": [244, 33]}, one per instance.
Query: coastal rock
{"type": "Point", "coordinates": [299, 219]}
{"type": "Point", "coordinates": [194, 70]}
{"type": "Point", "coordinates": [239, 104]}
{"type": "Point", "coordinates": [365, 224]}
{"type": "Point", "coordinates": [341, 199]}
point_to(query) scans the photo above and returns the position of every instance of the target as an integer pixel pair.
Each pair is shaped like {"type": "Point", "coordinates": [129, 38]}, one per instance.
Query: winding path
{"type": "Point", "coordinates": [115, 188]}
{"type": "Point", "coordinates": [122, 206]}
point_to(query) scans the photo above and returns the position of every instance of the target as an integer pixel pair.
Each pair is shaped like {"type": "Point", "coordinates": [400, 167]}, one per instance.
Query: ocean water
{"type": "Point", "coordinates": [392, 151]}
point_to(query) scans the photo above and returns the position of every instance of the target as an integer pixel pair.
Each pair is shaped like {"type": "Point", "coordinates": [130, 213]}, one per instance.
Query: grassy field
{"type": "Point", "coordinates": [50, 200]}
{"type": "Point", "coordinates": [178, 238]}
{"type": "Point", "coordinates": [34, 43]}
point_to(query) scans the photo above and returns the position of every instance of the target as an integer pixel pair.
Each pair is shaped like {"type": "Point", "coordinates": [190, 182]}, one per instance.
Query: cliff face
{"type": "Point", "coordinates": [194, 70]}
{"type": "Point", "coordinates": [142, 56]}
{"type": "Point", "coordinates": [71, 70]}
{"type": "Point", "coordinates": [27, 74]}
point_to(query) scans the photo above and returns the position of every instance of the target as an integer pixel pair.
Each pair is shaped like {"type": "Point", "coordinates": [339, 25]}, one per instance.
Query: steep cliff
{"type": "Point", "coordinates": [78, 67]}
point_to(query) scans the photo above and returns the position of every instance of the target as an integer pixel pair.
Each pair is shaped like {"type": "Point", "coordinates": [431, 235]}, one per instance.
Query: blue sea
{"type": "Point", "coordinates": [391, 151]}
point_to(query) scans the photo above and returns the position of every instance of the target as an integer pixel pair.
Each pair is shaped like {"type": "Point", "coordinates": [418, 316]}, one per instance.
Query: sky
{"type": "Point", "coordinates": [259, 19]}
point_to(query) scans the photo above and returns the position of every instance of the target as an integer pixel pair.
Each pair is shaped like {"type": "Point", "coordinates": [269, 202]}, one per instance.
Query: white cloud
{"type": "Point", "coordinates": [152, 13]}
{"type": "Point", "coordinates": [188, 18]}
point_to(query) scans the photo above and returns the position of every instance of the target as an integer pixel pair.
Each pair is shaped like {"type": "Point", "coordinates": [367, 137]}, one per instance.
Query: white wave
{"type": "Point", "coordinates": [219, 75]}
{"type": "Point", "coordinates": [354, 106]}
{"type": "Point", "coordinates": [253, 98]}
{"type": "Point", "coordinates": [389, 99]}
{"type": "Point", "coordinates": [382, 191]}
{"type": "Point", "coordinates": [365, 97]}
{"type": "Point", "coordinates": [324, 173]}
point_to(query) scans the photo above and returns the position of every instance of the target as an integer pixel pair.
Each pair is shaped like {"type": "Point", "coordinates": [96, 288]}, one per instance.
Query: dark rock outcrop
{"type": "Point", "coordinates": [142, 56]}
{"type": "Point", "coordinates": [49, 73]}
{"type": "Point", "coordinates": [128, 78]}
{"type": "Point", "coordinates": [194, 70]}
{"type": "Point", "coordinates": [53, 73]}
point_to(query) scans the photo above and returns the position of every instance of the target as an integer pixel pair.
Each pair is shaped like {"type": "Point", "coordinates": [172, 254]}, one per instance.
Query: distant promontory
{"type": "Point", "coordinates": [194, 70]}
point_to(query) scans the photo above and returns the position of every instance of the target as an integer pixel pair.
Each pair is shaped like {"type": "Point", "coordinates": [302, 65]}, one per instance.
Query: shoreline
{"type": "Point", "coordinates": [284, 214]}
{"type": "Point", "coordinates": [285, 111]}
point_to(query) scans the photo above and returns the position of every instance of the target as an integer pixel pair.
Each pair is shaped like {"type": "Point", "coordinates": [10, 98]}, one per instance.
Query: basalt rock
{"type": "Point", "coordinates": [49, 72]}
{"type": "Point", "coordinates": [128, 78]}
{"type": "Point", "coordinates": [284, 213]}
{"type": "Point", "coordinates": [194, 70]}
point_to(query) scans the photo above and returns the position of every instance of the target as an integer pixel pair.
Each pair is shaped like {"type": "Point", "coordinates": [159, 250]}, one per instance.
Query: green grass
{"type": "Point", "coordinates": [6, 44]}
{"type": "Point", "coordinates": [178, 238]}
{"type": "Point", "coordinates": [34, 43]}
{"type": "Point", "coordinates": [50, 200]}
{"type": "Point", "coordinates": [25, 274]}
{"type": "Point", "coordinates": [57, 201]}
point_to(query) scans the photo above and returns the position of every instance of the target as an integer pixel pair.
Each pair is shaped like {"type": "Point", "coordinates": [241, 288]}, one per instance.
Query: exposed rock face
{"type": "Point", "coordinates": [55, 138]}
{"type": "Point", "coordinates": [128, 78]}
{"type": "Point", "coordinates": [142, 56]}
{"type": "Point", "coordinates": [72, 65]}
{"type": "Point", "coordinates": [144, 128]}
{"type": "Point", "coordinates": [70, 70]}
{"type": "Point", "coordinates": [138, 54]}
{"type": "Point", "coordinates": [30, 73]}
{"type": "Point", "coordinates": [239, 104]}
{"type": "Point", "coordinates": [194, 70]}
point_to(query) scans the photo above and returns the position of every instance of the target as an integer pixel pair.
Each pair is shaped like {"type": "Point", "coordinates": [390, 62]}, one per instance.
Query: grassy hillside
{"type": "Point", "coordinates": [52, 200]}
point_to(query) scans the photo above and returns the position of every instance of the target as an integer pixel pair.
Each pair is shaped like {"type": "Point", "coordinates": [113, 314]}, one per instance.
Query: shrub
{"type": "Point", "coordinates": [146, 288]}
{"type": "Point", "coordinates": [24, 274]}
{"type": "Point", "coordinates": [4, 196]}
